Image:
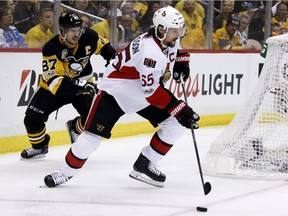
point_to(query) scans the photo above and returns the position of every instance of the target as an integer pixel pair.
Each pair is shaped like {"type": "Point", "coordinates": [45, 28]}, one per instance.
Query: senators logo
{"type": "Point", "coordinates": [150, 63]}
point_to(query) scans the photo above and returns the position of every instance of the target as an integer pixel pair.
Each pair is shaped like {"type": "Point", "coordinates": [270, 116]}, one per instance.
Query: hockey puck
{"type": "Point", "coordinates": [201, 209]}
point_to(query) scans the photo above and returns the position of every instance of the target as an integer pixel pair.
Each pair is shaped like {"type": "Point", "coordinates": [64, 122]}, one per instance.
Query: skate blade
{"type": "Point", "coordinates": [140, 177]}
{"type": "Point", "coordinates": [40, 156]}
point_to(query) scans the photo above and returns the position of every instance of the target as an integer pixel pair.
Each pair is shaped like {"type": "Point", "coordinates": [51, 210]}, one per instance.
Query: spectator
{"type": "Point", "coordinates": [257, 23]}
{"type": "Point", "coordinates": [9, 35]}
{"type": "Point", "coordinates": [140, 8]}
{"type": "Point", "coordinates": [147, 19]}
{"type": "Point", "coordinates": [37, 36]}
{"type": "Point", "coordinates": [274, 7]}
{"type": "Point", "coordinates": [199, 9]}
{"type": "Point", "coordinates": [85, 20]}
{"type": "Point", "coordinates": [281, 15]}
{"type": "Point", "coordinates": [130, 35]}
{"type": "Point", "coordinates": [250, 7]}
{"type": "Point", "coordinates": [227, 37]}
{"type": "Point", "coordinates": [25, 15]}
{"type": "Point", "coordinates": [240, 7]}
{"type": "Point", "coordinates": [192, 20]}
{"type": "Point", "coordinates": [102, 8]}
{"type": "Point", "coordinates": [103, 27]}
{"type": "Point", "coordinates": [227, 7]}
{"type": "Point", "coordinates": [8, 3]}
{"type": "Point", "coordinates": [275, 29]}
{"type": "Point", "coordinates": [170, 3]}
{"type": "Point", "coordinates": [126, 7]}
{"type": "Point", "coordinates": [43, 4]}
{"type": "Point", "coordinates": [196, 39]}
{"type": "Point", "coordinates": [85, 6]}
{"type": "Point", "coordinates": [243, 28]}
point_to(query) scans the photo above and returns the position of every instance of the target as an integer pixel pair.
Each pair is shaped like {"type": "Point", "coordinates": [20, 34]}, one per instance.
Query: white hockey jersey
{"type": "Point", "coordinates": [133, 78]}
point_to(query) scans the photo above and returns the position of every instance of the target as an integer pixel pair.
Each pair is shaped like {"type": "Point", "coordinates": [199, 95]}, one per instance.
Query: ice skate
{"type": "Point", "coordinates": [144, 170]}
{"type": "Point", "coordinates": [36, 153]}
{"type": "Point", "coordinates": [55, 179]}
{"type": "Point", "coordinates": [73, 135]}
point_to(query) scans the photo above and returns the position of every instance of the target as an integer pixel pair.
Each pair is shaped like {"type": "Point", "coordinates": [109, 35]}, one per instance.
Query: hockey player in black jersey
{"type": "Point", "coordinates": [67, 79]}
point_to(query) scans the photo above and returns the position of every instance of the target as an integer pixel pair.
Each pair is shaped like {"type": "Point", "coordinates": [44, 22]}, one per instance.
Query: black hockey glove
{"type": "Point", "coordinates": [108, 53]}
{"type": "Point", "coordinates": [184, 114]}
{"type": "Point", "coordinates": [181, 66]}
{"type": "Point", "coordinates": [88, 88]}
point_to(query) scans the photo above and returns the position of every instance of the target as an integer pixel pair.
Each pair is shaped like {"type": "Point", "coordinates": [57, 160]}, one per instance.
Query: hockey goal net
{"type": "Point", "coordinates": [255, 143]}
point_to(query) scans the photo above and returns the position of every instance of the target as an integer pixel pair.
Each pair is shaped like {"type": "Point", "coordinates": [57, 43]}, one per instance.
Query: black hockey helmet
{"type": "Point", "coordinates": [70, 20]}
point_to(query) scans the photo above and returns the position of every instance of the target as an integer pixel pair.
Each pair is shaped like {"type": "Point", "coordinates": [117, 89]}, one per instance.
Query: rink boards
{"type": "Point", "coordinates": [218, 86]}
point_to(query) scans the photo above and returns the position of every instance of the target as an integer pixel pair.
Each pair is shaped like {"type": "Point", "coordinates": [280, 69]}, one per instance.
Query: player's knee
{"type": "Point", "coordinates": [32, 125]}
{"type": "Point", "coordinates": [170, 131]}
{"type": "Point", "coordinates": [86, 144]}
{"type": "Point", "coordinates": [172, 135]}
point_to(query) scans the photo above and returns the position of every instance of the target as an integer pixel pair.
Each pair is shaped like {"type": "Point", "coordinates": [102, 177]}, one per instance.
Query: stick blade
{"type": "Point", "coordinates": [207, 188]}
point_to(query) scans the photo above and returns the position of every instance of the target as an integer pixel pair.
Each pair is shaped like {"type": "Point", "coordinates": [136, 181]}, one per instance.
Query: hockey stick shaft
{"type": "Point", "coordinates": [206, 186]}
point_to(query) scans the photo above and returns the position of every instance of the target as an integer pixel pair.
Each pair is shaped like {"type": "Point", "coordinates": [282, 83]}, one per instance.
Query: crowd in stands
{"type": "Point", "coordinates": [236, 24]}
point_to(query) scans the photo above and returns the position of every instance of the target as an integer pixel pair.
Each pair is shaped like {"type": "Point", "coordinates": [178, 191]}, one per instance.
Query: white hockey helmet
{"type": "Point", "coordinates": [168, 17]}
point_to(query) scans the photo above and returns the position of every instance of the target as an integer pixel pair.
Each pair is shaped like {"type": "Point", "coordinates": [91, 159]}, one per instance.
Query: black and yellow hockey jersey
{"type": "Point", "coordinates": [61, 64]}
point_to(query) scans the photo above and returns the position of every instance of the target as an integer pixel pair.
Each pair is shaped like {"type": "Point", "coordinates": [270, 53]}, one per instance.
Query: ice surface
{"type": "Point", "coordinates": [103, 187]}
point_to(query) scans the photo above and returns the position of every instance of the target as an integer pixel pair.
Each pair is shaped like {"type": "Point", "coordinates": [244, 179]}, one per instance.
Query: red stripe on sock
{"type": "Point", "coordinates": [93, 109]}
{"type": "Point", "coordinates": [73, 161]}
{"type": "Point", "coordinates": [159, 146]}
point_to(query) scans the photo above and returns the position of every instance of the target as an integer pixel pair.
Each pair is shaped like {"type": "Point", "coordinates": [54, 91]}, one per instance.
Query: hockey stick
{"type": "Point", "coordinates": [206, 185]}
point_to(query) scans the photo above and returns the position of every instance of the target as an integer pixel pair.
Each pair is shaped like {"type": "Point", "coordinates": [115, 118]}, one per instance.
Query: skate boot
{"type": "Point", "coordinates": [36, 153]}
{"type": "Point", "coordinates": [144, 170]}
{"type": "Point", "coordinates": [72, 133]}
{"type": "Point", "coordinates": [55, 179]}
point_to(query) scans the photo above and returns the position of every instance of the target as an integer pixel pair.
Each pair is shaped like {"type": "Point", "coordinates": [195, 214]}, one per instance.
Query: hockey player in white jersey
{"type": "Point", "coordinates": [134, 82]}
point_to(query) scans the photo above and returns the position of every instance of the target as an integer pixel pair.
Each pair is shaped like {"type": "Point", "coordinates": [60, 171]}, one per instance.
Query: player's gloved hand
{"type": "Point", "coordinates": [184, 114]}
{"type": "Point", "coordinates": [108, 53]}
{"type": "Point", "coordinates": [181, 66]}
{"type": "Point", "coordinates": [88, 88]}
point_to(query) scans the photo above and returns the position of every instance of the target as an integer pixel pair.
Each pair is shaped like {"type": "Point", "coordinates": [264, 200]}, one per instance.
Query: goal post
{"type": "Point", "coordinates": [255, 143]}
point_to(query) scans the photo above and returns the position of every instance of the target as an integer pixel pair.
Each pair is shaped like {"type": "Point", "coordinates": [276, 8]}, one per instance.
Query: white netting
{"type": "Point", "coordinates": [255, 143]}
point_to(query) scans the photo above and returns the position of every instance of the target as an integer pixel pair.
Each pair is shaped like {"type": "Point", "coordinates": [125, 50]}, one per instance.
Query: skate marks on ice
{"type": "Point", "coordinates": [103, 186]}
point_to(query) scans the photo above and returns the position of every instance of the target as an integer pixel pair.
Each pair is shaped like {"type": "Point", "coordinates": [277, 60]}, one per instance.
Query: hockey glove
{"type": "Point", "coordinates": [184, 114]}
{"type": "Point", "coordinates": [89, 88]}
{"type": "Point", "coordinates": [108, 53]}
{"type": "Point", "coordinates": [181, 67]}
